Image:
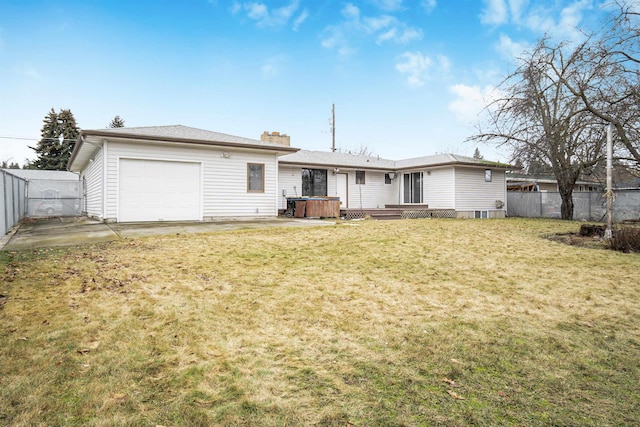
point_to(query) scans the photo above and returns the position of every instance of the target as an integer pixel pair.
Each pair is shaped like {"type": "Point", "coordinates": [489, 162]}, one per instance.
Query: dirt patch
{"type": "Point", "coordinates": [576, 239]}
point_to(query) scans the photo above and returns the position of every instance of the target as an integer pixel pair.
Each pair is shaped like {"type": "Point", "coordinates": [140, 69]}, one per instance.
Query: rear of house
{"type": "Point", "coordinates": [463, 186]}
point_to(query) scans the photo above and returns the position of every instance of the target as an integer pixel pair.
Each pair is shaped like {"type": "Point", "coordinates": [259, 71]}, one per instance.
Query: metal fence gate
{"type": "Point", "coordinates": [36, 198]}
{"type": "Point", "coordinates": [12, 200]}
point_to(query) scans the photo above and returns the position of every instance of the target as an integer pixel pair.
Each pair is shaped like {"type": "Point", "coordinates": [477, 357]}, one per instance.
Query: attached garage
{"type": "Point", "coordinates": [177, 173]}
{"type": "Point", "coordinates": [155, 190]}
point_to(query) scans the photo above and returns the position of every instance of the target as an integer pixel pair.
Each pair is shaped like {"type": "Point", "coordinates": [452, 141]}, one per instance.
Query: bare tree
{"type": "Point", "coordinates": [609, 87]}
{"type": "Point", "coordinates": [541, 120]}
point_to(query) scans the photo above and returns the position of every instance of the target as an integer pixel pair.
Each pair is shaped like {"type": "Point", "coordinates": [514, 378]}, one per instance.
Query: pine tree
{"type": "Point", "coordinates": [58, 137]}
{"type": "Point", "coordinates": [117, 122]}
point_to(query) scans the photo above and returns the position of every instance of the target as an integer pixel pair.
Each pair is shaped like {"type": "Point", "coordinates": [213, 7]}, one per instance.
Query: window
{"type": "Point", "coordinates": [387, 178]}
{"type": "Point", "coordinates": [412, 187]}
{"type": "Point", "coordinates": [481, 214]}
{"type": "Point", "coordinates": [359, 177]}
{"type": "Point", "coordinates": [487, 175]}
{"type": "Point", "coordinates": [314, 182]}
{"type": "Point", "coordinates": [255, 177]}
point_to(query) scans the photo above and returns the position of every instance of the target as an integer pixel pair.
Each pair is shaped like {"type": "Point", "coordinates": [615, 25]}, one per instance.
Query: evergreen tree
{"type": "Point", "coordinates": [117, 122]}
{"type": "Point", "coordinates": [58, 137]}
{"type": "Point", "coordinates": [5, 164]}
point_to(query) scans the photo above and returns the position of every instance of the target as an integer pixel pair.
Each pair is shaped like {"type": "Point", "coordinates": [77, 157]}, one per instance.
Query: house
{"type": "Point", "coordinates": [49, 192]}
{"type": "Point", "coordinates": [464, 186]}
{"type": "Point", "coordinates": [526, 182]}
{"type": "Point", "coordinates": [171, 173]}
{"type": "Point", "coordinates": [178, 173]}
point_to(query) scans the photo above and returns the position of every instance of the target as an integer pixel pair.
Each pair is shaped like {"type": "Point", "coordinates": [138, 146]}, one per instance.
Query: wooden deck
{"type": "Point", "coordinates": [398, 212]}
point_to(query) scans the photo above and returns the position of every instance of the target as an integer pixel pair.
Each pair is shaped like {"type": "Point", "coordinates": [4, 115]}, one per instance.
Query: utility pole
{"type": "Point", "coordinates": [333, 128]}
{"type": "Point", "coordinates": [608, 234]}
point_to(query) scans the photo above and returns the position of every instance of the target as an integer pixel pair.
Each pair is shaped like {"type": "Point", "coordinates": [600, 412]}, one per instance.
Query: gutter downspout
{"type": "Point", "coordinates": [104, 180]}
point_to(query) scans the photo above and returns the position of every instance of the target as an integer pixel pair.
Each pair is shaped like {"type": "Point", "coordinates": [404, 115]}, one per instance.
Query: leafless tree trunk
{"type": "Point", "coordinates": [539, 118]}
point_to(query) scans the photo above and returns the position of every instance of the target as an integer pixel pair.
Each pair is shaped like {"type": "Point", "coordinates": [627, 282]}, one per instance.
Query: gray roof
{"type": "Point", "coordinates": [337, 159]}
{"type": "Point", "coordinates": [176, 133]}
{"type": "Point", "coordinates": [180, 132]}
{"type": "Point", "coordinates": [32, 174]}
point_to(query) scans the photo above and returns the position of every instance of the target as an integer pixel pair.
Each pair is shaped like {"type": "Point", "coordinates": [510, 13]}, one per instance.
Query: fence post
{"type": "Point", "coordinates": [540, 203]}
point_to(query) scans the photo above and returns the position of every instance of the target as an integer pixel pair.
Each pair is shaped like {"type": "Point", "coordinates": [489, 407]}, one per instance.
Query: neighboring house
{"type": "Point", "coordinates": [525, 182]}
{"type": "Point", "coordinates": [466, 186]}
{"type": "Point", "coordinates": [49, 192]}
{"type": "Point", "coordinates": [171, 173]}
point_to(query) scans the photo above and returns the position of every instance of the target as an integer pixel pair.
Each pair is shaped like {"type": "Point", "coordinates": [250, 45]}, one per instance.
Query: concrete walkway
{"type": "Point", "coordinates": [68, 231]}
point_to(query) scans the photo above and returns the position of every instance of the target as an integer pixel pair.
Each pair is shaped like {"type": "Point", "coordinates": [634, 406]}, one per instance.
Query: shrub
{"type": "Point", "coordinates": [625, 239]}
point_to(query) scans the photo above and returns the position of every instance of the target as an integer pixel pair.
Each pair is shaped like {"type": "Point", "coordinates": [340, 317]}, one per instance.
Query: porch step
{"type": "Point", "coordinates": [372, 213]}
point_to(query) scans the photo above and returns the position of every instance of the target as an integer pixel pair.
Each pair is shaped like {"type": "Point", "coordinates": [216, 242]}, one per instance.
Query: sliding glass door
{"type": "Point", "coordinates": [413, 187]}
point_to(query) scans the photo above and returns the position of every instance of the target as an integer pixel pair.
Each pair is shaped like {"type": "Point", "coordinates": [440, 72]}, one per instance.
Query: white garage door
{"type": "Point", "coordinates": [152, 190]}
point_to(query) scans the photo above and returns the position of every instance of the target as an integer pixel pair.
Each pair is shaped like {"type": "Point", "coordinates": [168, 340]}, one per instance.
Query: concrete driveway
{"type": "Point", "coordinates": [67, 231]}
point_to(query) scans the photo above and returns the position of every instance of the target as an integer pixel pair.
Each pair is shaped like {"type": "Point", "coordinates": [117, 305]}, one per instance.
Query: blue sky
{"type": "Point", "coordinates": [407, 78]}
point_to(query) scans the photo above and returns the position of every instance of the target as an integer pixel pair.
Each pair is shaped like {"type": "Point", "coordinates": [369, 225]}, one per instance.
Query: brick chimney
{"type": "Point", "coordinates": [276, 138]}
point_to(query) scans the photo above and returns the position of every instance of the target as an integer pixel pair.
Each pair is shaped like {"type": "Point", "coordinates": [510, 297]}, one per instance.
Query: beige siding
{"type": "Point", "coordinates": [224, 179]}
{"type": "Point", "coordinates": [473, 193]}
{"type": "Point", "coordinates": [93, 189]}
{"type": "Point", "coordinates": [439, 191]}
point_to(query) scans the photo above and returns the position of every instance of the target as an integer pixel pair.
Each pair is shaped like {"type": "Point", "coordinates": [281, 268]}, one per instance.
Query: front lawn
{"type": "Point", "coordinates": [413, 322]}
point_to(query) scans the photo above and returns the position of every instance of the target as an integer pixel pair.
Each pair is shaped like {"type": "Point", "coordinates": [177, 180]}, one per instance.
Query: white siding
{"type": "Point", "coordinates": [374, 193]}
{"type": "Point", "coordinates": [473, 193]}
{"type": "Point", "coordinates": [93, 190]}
{"type": "Point", "coordinates": [439, 188]}
{"type": "Point", "coordinates": [289, 180]}
{"type": "Point", "coordinates": [224, 179]}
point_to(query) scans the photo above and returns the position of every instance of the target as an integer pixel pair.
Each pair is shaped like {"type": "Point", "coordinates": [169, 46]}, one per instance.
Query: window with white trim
{"type": "Point", "coordinates": [255, 177]}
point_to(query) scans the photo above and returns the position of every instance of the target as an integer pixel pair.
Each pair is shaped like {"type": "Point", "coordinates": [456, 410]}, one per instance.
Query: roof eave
{"type": "Point", "coordinates": [107, 134]}
{"type": "Point", "coordinates": [334, 165]}
{"type": "Point", "coordinates": [458, 163]}
{"type": "Point", "coordinates": [209, 143]}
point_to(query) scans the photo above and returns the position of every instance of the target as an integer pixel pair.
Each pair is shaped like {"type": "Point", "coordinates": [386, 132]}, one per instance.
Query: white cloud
{"type": "Point", "coordinates": [384, 28]}
{"type": "Point", "coordinates": [334, 38]}
{"type": "Point", "coordinates": [471, 101]}
{"type": "Point", "coordinates": [415, 67]}
{"type": "Point", "coordinates": [373, 25]}
{"type": "Point", "coordinates": [517, 8]}
{"type": "Point", "coordinates": [389, 5]}
{"type": "Point", "coordinates": [300, 19]}
{"type": "Point", "coordinates": [563, 24]}
{"type": "Point", "coordinates": [560, 21]}
{"type": "Point", "coordinates": [418, 68]}
{"type": "Point", "coordinates": [235, 8]}
{"type": "Point", "coordinates": [272, 67]}
{"type": "Point", "coordinates": [428, 5]}
{"type": "Point", "coordinates": [265, 17]}
{"type": "Point", "coordinates": [495, 12]}
{"type": "Point", "coordinates": [257, 12]}
{"type": "Point", "coordinates": [510, 49]}
{"type": "Point", "coordinates": [351, 12]}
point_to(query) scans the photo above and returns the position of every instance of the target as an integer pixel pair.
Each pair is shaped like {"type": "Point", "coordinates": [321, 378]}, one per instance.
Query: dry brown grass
{"type": "Point", "coordinates": [417, 322]}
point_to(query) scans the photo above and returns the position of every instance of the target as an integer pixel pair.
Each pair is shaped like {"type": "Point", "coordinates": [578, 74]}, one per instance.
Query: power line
{"type": "Point", "coordinates": [14, 137]}
{"type": "Point", "coordinates": [37, 139]}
